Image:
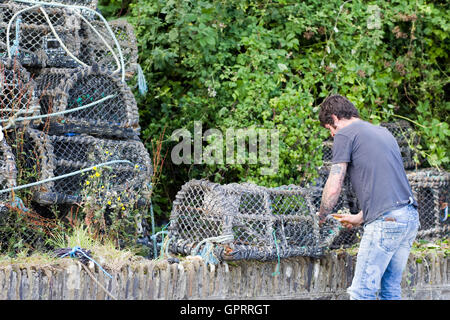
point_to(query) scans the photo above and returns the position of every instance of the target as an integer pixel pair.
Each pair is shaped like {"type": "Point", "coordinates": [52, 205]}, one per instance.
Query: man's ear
{"type": "Point", "coordinates": [335, 119]}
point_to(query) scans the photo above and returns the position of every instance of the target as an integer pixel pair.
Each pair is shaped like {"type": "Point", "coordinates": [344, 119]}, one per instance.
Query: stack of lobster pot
{"type": "Point", "coordinates": [429, 186]}
{"type": "Point", "coordinates": [66, 102]}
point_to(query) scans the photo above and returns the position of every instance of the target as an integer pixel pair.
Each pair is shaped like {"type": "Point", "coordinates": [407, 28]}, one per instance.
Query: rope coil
{"type": "Point", "coordinates": [73, 253]}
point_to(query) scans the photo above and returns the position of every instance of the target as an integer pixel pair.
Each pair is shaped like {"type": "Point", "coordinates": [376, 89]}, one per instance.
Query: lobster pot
{"type": "Point", "coordinates": [245, 221]}
{"type": "Point", "coordinates": [37, 34]}
{"type": "Point", "coordinates": [88, 100]}
{"type": "Point", "coordinates": [430, 188]}
{"type": "Point", "coordinates": [100, 48]}
{"type": "Point", "coordinates": [61, 155]}
{"type": "Point", "coordinates": [404, 134]}
{"type": "Point", "coordinates": [17, 96]}
{"type": "Point", "coordinates": [8, 174]}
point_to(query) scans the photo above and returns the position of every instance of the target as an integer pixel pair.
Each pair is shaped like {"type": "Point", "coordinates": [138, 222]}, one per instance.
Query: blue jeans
{"type": "Point", "coordinates": [383, 254]}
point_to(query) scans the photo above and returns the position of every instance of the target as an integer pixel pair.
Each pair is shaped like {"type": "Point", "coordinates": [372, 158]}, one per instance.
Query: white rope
{"type": "Point", "coordinates": [63, 176]}
{"type": "Point", "coordinates": [101, 38]}
{"type": "Point", "coordinates": [219, 239]}
{"type": "Point", "coordinates": [11, 121]}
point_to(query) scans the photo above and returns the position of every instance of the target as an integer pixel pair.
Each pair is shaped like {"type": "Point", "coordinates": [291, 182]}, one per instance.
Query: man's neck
{"type": "Point", "coordinates": [345, 122]}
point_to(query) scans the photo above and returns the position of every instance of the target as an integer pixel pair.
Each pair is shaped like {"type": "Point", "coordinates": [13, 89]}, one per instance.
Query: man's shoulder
{"type": "Point", "coordinates": [356, 127]}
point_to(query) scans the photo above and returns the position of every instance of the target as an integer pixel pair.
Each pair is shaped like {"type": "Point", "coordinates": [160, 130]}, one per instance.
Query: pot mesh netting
{"type": "Point", "coordinates": [101, 48]}
{"type": "Point", "coordinates": [431, 188]}
{"type": "Point", "coordinates": [17, 98]}
{"type": "Point", "coordinates": [104, 105]}
{"type": "Point", "coordinates": [406, 137]}
{"type": "Point", "coordinates": [246, 221]}
{"type": "Point", "coordinates": [8, 174]}
{"type": "Point", "coordinates": [56, 156]}
{"type": "Point", "coordinates": [20, 228]}
{"type": "Point", "coordinates": [31, 36]}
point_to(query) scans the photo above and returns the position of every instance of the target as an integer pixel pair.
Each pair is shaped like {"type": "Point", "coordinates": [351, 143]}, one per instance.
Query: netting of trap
{"type": "Point", "coordinates": [247, 221]}
{"type": "Point", "coordinates": [17, 96]}
{"type": "Point", "coordinates": [431, 188]}
{"type": "Point", "coordinates": [34, 34]}
{"type": "Point", "coordinates": [96, 51]}
{"type": "Point", "coordinates": [406, 139]}
{"type": "Point", "coordinates": [20, 228]}
{"type": "Point", "coordinates": [8, 174]}
{"type": "Point", "coordinates": [88, 100]}
{"type": "Point", "coordinates": [58, 156]}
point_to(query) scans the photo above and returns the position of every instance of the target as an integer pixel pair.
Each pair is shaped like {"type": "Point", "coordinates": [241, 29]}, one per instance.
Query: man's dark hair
{"type": "Point", "coordinates": [338, 105]}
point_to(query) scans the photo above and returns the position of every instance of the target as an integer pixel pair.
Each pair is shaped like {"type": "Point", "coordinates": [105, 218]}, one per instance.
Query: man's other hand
{"type": "Point", "coordinates": [349, 220]}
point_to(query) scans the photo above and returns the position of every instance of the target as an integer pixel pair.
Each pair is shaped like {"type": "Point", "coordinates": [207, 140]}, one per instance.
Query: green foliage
{"type": "Point", "coordinates": [269, 64]}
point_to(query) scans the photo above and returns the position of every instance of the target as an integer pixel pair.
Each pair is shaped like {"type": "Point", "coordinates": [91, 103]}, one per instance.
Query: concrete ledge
{"type": "Point", "coordinates": [299, 278]}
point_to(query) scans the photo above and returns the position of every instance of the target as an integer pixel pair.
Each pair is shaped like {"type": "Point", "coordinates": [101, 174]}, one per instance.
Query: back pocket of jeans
{"type": "Point", "coordinates": [392, 233]}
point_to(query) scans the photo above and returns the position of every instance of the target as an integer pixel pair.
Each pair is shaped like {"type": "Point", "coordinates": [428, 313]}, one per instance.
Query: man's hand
{"type": "Point", "coordinates": [321, 218]}
{"type": "Point", "coordinates": [350, 220]}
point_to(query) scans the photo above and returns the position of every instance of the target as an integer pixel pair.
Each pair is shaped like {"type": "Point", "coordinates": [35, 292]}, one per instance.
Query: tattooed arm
{"type": "Point", "coordinates": [332, 189]}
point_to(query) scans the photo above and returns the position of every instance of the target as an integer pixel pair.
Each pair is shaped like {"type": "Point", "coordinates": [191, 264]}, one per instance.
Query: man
{"type": "Point", "coordinates": [371, 156]}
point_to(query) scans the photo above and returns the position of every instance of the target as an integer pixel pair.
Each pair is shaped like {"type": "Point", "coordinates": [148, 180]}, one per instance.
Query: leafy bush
{"type": "Point", "coordinates": [269, 64]}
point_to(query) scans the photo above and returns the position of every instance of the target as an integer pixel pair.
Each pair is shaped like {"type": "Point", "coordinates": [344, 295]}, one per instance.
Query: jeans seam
{"type": "Point", "coordinates": [363, 278]}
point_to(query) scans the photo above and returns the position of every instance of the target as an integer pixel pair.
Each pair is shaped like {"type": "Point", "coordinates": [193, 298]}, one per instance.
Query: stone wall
{"type": "Point", "coordinates": [298, 278]}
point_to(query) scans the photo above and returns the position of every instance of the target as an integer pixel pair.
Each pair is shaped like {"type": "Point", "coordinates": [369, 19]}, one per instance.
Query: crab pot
{"type": "Point", "coordinates": [17, 96]}
{"type": "Point", "coordinates": [95, 50]}
{"type": "Point", "coordinates": [252, 222]}
{"type": "Point", "coordinates": [404, 134]}
{"type": "Point", "coordinates": [8, 174]}
{"type": "Point", "coordinates": [61, 90]}
{"type": "Point", "coordinates": [31, 30]}
{"type": "Point", "coordinates": [61, 155]}
{"type": "Point", "coordinates": [430, 188]}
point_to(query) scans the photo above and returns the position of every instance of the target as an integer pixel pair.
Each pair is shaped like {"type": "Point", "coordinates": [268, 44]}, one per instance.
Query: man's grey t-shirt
{"type": "Point", "coordinates": [375, 167]}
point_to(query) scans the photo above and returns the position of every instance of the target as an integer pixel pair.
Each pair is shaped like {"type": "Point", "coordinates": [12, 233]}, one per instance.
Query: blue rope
{"type": "Point", "coordinates": [277, 271]}
{"type": "Point", "coordinates": [18, 203]}
{"type": "Point", "coordinates": [142, 83]}
{"type": "Point", "coordinates": [207, 254]}
{"type": "Point", "coordinates": [76, 249]}
{"type": "Point", "coordinates": [446, 214]}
